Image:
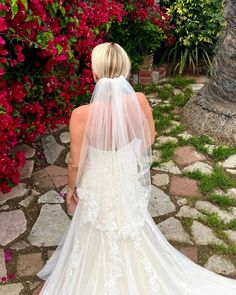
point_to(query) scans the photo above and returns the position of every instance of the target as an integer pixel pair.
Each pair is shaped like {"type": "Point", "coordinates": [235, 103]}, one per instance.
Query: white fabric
{"type": "Point", "coordinates": [112, 246]}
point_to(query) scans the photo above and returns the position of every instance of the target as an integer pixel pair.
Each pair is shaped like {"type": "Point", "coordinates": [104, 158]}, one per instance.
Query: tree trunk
{"type": "Point", "coordinates": [213, 110]}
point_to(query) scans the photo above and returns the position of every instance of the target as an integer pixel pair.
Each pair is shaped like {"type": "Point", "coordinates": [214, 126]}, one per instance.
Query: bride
{"type": "Point", "coordinates": [112, 246]}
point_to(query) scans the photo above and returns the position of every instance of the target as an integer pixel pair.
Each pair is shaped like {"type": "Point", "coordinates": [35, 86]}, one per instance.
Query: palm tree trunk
{"type": "Point", "coordinates": [213, 110]}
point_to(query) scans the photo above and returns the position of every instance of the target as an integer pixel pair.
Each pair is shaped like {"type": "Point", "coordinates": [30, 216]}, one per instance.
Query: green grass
{"type": "Point", "coordinates": [217, 225]}
{"type": "Point", "coordinates": [166, 92]}
{"type": "Point", "coordinates": [176, 130]}
{"type": "Point", "coordinates": [197, 142]}
{"type": "Point", "coordinates": [214, 221]}
{"type": "Point", "coordinates": [223, 202]}
{"type": "Point", "coordinates": [146, 89]}
{"type": "Point", "coordinates": [167, 150]}
{"type": "Point", "coordinates": [181, 99]}
{"type": "Point", "coordinates": [181, 82]}
{"type": "Point", "coordinates": [221, 153]}
{"type": "Point", "coordinates": [165, 108]}
{"type": "Point", "coordinates": [221, 249]}
{"type": "Point", "coordinates": [219, 179]}
{"type": "Point", "coordinates": [187, 223]}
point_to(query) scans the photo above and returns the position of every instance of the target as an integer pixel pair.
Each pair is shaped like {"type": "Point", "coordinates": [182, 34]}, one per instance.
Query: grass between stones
{"type": "Point", "coordinates": [167, 150]}
{"type": "Point", "coordinates": [224, 202]}
{"type": "Point", "coordinates": [174, 94]}
{"type": "Point", "coordinates": [214, 221]}
{"type": "Point", "coordinates": [222, 152]}
{"type": "Point", "coordinates": [219, 179]}
{"type": "Point", "coordinates": [180, 82]}
{"type": "Point", "coordinates": [187, 224]}
{"type": "Point", "coordinates": [223, 250]}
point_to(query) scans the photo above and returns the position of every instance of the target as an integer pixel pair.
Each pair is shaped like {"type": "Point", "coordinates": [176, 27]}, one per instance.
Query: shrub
{"type": "Point", "coordinates": [45, 49]}
{"type": "Point", "coordinates": [197, 26]}
{"type": "Point", "coordinates": [143, 30]}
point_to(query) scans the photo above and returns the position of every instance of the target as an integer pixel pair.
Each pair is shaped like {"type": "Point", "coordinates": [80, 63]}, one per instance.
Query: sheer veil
{"type": "Point", "coordinates": [117, 126]}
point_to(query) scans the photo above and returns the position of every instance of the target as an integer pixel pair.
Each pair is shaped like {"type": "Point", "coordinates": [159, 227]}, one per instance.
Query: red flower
{"type": "Point", "coordinates": [2, 41]}
{"type": "Point", "coordinates": [2, 71]}
{"type": "Point", "coordinates": [3, 25]}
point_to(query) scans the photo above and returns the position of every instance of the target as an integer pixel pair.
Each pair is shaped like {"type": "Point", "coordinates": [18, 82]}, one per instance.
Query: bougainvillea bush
{"type": "Point", "coordinates": [44, 65]}
{"type": "Point", "coordinates": [45, 50]}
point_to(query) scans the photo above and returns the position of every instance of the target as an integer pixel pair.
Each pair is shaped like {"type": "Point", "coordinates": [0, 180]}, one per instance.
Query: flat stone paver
{"type": "Point", "coordinates": [187, 155]}
{"type": "Point", "coordinates": [19, 245]}
{"type": "Point", "coordinates": [11, 289]}
{"type": "Point", "coordinates": [160, 203]}
{"type": "Point", "coordinates": [185, 135]}
{"type": "Point", "coordinates": [51, 149]}
{"type": "Point", "coordinates": [183, 186]}
{"type": "Point", "coordinates": [199, 166]}
{"type": "Point", "coordinates": [165, 139]}
{"type": "Point", "coordinates": [12, 224]}
{"type": "Point", "coordinates": [50, 177]}
{"type": "Point", "coordinates": [28, 150]}
{"type": "Point", "coordinates": [3, 270]}
{"type": "Point", "coordinates": [51, 197]}
{"type": "Point", "coordinates": [203, 235]}
{"type": "Point", "coordinates": [168, 167]}
{"type": "Point", "coordinates": [173, 230]}
{"type": "Point", "coordinates": [29, 264]}
{"type": "Point", "coordinates": [160, 179]}
{"type": "Point", "coordinates": [49, 226]}
{"type": "Point", "coordinates": [211, 208]}
{"type": "Point", "coordinates": [221, 265]}
{"type": "Point", "coordinates": [27, 169]}
{"type": "Point", "coordinates": [186, 211]}
{"type": "Point", "coordinates": [230, 162]}
{"type": "Point", "coordinates": [17, 192]}
{"type": "Point", "coordinates": [65, 137]}
{"type": "Point", "coordinates": [189, 251]}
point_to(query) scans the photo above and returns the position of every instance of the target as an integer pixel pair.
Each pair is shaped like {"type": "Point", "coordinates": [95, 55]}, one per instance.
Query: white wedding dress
{"type": "Point", "coordinates": [107, 250]}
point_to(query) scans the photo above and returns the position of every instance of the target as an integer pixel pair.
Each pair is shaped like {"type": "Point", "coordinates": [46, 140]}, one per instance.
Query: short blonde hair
{"type": "Point", "coordinates": [110, 60]}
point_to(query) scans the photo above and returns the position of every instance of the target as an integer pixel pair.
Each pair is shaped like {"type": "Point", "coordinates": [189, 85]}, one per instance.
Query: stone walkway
{"type": "Point", "coordinates": [33, 215]}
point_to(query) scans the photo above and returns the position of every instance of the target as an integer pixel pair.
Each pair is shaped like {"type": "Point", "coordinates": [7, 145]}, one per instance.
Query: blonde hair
{"type": "Point", "coordinates": [110, 60]}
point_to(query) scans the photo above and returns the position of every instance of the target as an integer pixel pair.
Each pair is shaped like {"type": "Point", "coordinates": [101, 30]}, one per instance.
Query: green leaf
{"type": "Point", "coordinates": [25, 3]}
{"type": "Point", "coordinates": [14, 7]}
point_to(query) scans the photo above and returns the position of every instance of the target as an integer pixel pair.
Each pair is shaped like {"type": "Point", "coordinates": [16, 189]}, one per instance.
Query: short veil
{"type": "Point", "coordinates": [117, 126]}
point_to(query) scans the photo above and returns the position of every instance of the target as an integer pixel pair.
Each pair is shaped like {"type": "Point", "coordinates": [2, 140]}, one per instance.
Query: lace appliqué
{"type": "Point", "coordinates": [73, 263]}
{"type": "Point", "coordinates": [114, 269]}
{"type": "Point", "coordinates": [190, 290]}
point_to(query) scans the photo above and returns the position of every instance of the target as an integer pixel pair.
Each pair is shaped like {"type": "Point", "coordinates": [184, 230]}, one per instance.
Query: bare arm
{"type": "Point", "coordinates": [148, 112]}
{"type": "Point", "coordinates": [76, 127]}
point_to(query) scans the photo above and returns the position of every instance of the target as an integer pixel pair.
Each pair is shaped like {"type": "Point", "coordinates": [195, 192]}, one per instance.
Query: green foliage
{"type": "Point", "coordinates": [167, 150]}
{"type": "Point", "coordinates": [197, 26]}
{"type": "Point", "coordinates": [223, 152]}
{"type": "Point", "coordinates": [181, 99]}
{"type": "Point", "coordinates": [165, 92]}
{"type": "Point", "coordinates": [221, 249]}
{"type": "Point", "coordinates": [137, 37]}
{"type": "Point", "coordinates": [198, 142]}
{"type": "Point", "coordinates": [181, 82]}
{"type": "Point", "coordinates": [218, 179]}
{"type": "Point", "coordinates": [187, 223]}
{"type": "Point", "coordinates": [222, 201]}
{"type": "Point", "coordinates": [141, 31]}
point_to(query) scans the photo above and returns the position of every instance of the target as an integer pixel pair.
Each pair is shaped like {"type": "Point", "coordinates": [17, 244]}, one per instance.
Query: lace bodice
{"type": "Point", "coordinates": [111, 197]}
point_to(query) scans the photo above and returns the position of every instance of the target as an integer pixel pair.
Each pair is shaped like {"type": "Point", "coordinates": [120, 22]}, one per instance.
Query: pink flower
{"type": "Point", "coordinates": [2, 41]}
{"type": "Point", "coordinates": [3, 25]}
{"type": "Point", "coordinates": [2, 71]}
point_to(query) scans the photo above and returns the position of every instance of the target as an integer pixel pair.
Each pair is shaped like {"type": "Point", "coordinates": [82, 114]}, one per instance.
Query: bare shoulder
{"type": "Point", "coordinates": [80, 113]}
